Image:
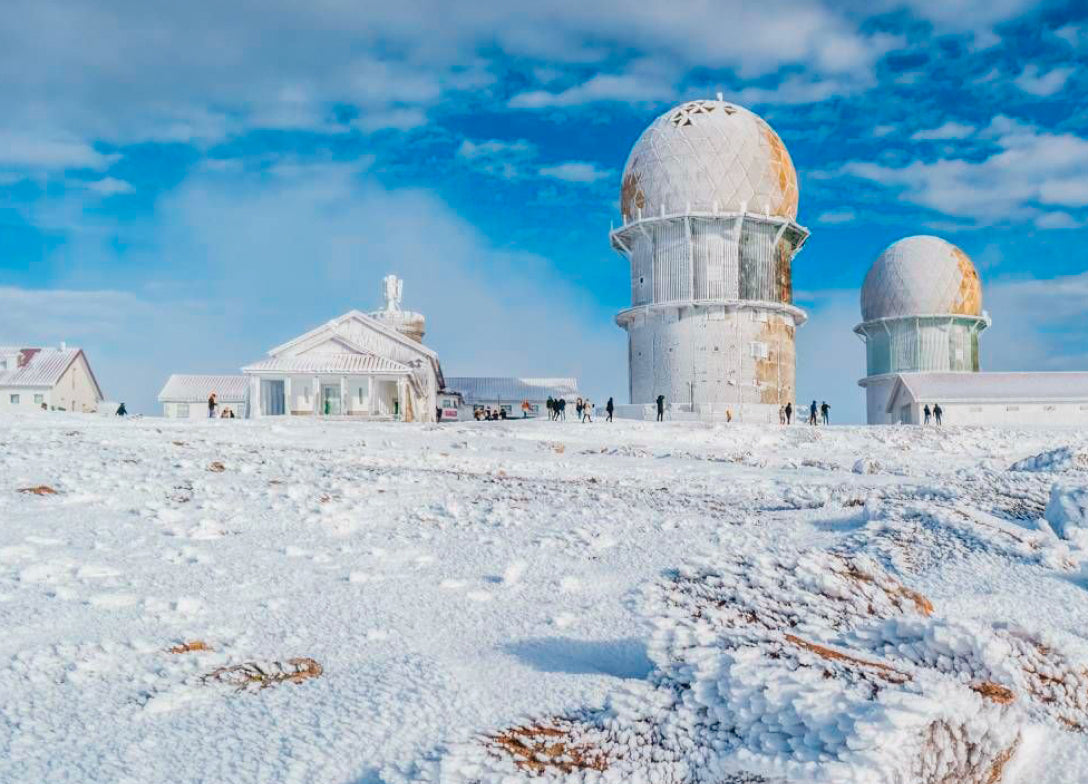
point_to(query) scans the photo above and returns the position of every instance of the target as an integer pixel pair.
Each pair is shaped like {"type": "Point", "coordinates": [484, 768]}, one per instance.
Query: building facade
{"type": "Point", "coordinates": [186, 396]}
{"type": "Point", "coordinates": [50, 378]}
{"type": "Point", "coordinates": [990, 398]}
{"type": "Point", "coordinates": [921, 307]}
{"type": "Point", "coordinates": [359, 365]}
{"type": "Point", "coordinates": [709, 200]}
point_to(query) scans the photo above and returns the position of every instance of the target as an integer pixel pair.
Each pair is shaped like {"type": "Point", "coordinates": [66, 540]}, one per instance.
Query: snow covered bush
{"type": "Point", "coordinates": [810, 667]}
{"type": "Point", "coordinates": [1067, 512]}
{"type": "Point", "coordinates": [1063, 459]}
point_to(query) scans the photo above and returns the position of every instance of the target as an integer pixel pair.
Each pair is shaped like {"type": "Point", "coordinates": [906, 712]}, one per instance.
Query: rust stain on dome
{"type": "Point", "coordinates": [969, 297]}
{"type": "Point", "coordinates": [783, 173]}
{"type": "Point", "coordinates": [632, 199]}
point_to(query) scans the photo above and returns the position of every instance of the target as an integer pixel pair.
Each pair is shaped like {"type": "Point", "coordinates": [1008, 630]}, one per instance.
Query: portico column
{"type": "Point", "coordinates": [287, 395]}
{"type": "Point", "coordinates": [255, 397]}
{"type": "Point", "coordinates": [316, 385]}
{"type": "Point", "coordinates": [343, 395]}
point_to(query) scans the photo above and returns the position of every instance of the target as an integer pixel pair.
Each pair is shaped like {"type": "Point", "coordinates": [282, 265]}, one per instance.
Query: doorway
{"type": "Point", "coordinates": [272, 398]}
{"type": "Point", "coordinates": [330, 399]}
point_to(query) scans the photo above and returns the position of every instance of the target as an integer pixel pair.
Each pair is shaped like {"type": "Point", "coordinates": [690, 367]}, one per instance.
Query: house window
{"type": "Point", "coordinates": [758, 350]}
{"type": "Point", "coordinates": [15, 400]}
{"type": "Point", "coordinates": [39, 399]}
{"type": "Point", "coordinates": [182, 411]}
{"type": "Point", "coordinates": [360, 394]}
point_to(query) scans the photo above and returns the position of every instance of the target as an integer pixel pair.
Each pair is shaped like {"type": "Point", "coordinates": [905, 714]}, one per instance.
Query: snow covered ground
{"type": "Point", "coordinates": [453, 581]}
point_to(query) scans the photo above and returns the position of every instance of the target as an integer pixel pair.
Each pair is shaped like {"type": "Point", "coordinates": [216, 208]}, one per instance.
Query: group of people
{"type": "Point", "coordinates": [557, 409]}
{"type": "Point", "coordinates": [817, 414]}
{"type": "Point", "coordinates": [213, 404]}
{"type": "Point", "coordinates": [488, 415]}
{"type": "Point", "coordinates": [935, 413]}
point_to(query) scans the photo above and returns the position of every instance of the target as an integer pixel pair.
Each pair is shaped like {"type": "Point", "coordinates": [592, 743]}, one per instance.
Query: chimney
{"type": "Point", "coordinates": [63, 346]}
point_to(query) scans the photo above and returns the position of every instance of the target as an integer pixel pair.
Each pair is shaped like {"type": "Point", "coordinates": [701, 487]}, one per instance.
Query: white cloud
{"type": "Point", "coordinates": [505, 159]}
{"type": "Point", "coordinates": [1074, 35]}
{"type": "Point", "coordinates": [1057, 220]}
{"type": "Point", "coordinates": [27, 151]}
{"type": "Point", "coordinates": [950, 130]}
{"type": "Point", "coordinates": [639, 87]}
{"type": "Point", "coordinates": [109, 186]}
{"type": "Point", "coordinates": [575, 171]}
{"type": "Point", "coordinates": [1034, 81]}
{"type": "Point", "coordinates": [1031, 173]}
{"type": "Point", "coordinates": [832, 217]}
{"type": "Point", "coordinates": [880, 131]}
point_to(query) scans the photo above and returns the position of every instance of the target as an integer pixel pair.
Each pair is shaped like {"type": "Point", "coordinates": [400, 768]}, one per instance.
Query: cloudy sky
{"type": "Point", "coordinates": [185, 185]}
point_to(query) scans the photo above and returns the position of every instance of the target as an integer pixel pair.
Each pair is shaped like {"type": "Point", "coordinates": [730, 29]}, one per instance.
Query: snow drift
{"type": "Point", "coordinates": [800, 668]}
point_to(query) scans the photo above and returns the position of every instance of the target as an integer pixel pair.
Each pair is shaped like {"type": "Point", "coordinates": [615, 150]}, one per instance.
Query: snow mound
{"type": "Point", "coordinates": [1063, 459]}
{"type": "Point", "coordinates": [1067, 512]}
{"type": "Point", "coordinates": [811, 667]}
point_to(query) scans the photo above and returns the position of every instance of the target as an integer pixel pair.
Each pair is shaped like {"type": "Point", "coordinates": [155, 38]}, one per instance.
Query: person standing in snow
{"type": "Point", "coordinates": [524, 409]}
{"type": "Point", "coordinates": [825, 409]}
{"type": "Point", "coordinates": [937, 413]}
{"type": "Point", "coordinates": [609, 408]}
{"type": "Point", "coordinates": [211, 406]}
{"type": "Point", "coordinates": [578, 405]}
{"type": "Point", "coordinates": [562, 408]}
{"type": "Point", "coordinates": [812, 414]}
{"type": "Point", "coordinates": [122, 411]}
{"type": "Point", "coordinates": [587, 411]}
{"type": "Point", "coordinates": [548, 404]}
{"type": "Point", "coordinates": [660, 408]}
{"type": "Point", "coordinates": [789, 412]}
{"type": "Point", "coordinates": [781, 415]}
{"type": "Point", "coordinates": [925, 413]}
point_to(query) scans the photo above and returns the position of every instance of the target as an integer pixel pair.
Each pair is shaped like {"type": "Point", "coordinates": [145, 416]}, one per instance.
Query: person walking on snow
{"type": "Point", "coordinates": [660, 408]}
{"type": "Point", "coordinates": [812, 414]}
{"type": "Point", "coordinates": [789, 412]}
{"type": "Point", "coordinates": [550, 405]}
{"type": "Point", "coordinates": [122, 411]}
{"type": "Point", "coordinates": [925, 413]}
{"type": "Point", "coordinates": [781, 415]}
{"type": "Point", "coordinates": [563, 408]}
{"type": "Point", "coordinates": [937, 413]}
{"type": "Point", "coordinates": [609, 408]}
{"type": "Point", "coordinates": [578, 406]}
{"type": "Point", "coordinates": [587, 411]}
{"type": "Point", "coordinates": [211, 406]}
{"type": "Point", "coordinates": [825, 409]}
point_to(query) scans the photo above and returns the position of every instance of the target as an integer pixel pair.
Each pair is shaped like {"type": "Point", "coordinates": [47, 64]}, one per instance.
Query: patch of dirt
{"type": "Point", "coordinates": [254, 676]}
{"type": "Point", "coordinates": [216, 467]}
{"type": "Point", "coordinates": [189, 647]}
{"type": "Point", "coordinates": [38, 490]}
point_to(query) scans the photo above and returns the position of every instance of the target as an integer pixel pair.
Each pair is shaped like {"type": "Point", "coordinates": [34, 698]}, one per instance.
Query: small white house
{"type": "Point", "coordinates": [991, 398]}
{"type": "Point", "coordinates": [54, 379]}
{"type": "Point", "coordinates": [186, 397]}
{"type": "Point", "coordinates": [480, 393]}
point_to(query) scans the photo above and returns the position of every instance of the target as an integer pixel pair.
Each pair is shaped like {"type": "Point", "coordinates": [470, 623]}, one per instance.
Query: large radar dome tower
{"type": "Point", "coordinates": [709, 201]}
{"type": "Point", "coordinates": [921, 310]}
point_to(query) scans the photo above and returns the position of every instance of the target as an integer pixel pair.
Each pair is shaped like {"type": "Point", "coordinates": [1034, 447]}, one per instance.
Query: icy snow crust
{"type": "Point", "coordinates": [530, 601]}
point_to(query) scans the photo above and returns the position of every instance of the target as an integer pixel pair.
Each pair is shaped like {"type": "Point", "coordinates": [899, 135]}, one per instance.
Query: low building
{"type": "Point", "coordinates": [186, 397]}
{"type": "Point", "coordinates": [360, 365]}
{"type": "Point", "coordinates": [54, 379]}
{"type": "Point", "coordinates": [990, 398]}
{"type": "Point", "coordinates": [480, 393]}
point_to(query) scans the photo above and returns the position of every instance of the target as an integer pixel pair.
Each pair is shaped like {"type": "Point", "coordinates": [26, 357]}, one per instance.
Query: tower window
{"type": "Point", "coordinates": [758, 350]}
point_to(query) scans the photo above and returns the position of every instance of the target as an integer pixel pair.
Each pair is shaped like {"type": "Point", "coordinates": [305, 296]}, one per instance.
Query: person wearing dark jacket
{"type": "Point", "coordinates": [211, 406]}
{"type": "Point", "coordinates": [609, 408]}
{"type": "Point", "coordinates": [660, 408]}
{"type": "Point", "coordinates": [825, 409]}
{"type": "Point", "coordinates": [121, 410]}
{"type": "Point", "coordinates": [937, 413]}
{"type": "Point", "coordinates": [925, 413]}
{"type": "Point", "coordinates": [812, 413]}
{"type": "Point", "coordinates": [789, 412]}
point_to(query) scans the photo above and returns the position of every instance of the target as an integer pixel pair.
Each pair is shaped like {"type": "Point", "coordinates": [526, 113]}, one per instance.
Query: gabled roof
{"type": "Point", "coordinates": [485, 388]}
{"type": "Point", "coordinates": [42, 367]}
{"type": "Point", "coordinates": [348, 364]}
{"type": "Point", "coordinates": [196, 389]}
{"type": "Point", "coordinates": [1042, 387]}
{"type": "Point", "coordinates": [330, 326]}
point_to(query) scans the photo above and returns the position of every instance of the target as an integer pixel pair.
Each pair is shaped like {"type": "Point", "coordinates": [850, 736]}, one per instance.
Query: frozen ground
{"type": "Point", "coordinates": [452, 581]}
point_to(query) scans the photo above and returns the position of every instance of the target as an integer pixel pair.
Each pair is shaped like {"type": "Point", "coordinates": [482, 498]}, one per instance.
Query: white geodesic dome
{"type": "Point", "coordinates": [709, 156]}
{"type": "Point", "coordinates": [921, 276]}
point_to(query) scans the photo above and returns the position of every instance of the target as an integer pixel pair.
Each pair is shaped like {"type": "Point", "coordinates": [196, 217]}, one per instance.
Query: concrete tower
{"type": "Point", "coordinates": [709, 202]}
{"type": "Point", "coordinates": [921, 306]}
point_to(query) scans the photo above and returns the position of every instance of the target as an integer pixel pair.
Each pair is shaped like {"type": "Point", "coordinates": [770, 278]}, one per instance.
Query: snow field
{"type": "Point", "coordinates": [454, 582]}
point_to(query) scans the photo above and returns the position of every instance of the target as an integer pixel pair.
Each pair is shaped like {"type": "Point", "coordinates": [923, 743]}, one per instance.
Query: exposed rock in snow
{"type": "Point", "coordinates": [1067, 513]}
{"type": "Point", "coordinates": [865, 465]}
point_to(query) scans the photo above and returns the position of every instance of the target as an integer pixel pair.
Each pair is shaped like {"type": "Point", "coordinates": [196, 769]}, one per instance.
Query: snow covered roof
{"type": "Point", "coordinates": [359, 316]}
{"type": "Point", "coordinates": [983, 387]}
{"type": "Point", "coordinates": [485, 388]}
{"type": "Point", "coordinates": [39, 367]}
{"type": "Point", "coordinates": [348, 364]}
{"type": "Point", "coordinates": [197, 389]}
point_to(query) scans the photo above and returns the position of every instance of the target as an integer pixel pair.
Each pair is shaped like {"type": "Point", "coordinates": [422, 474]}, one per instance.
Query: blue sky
{"type": "Point", "coordinates": [183, 186]}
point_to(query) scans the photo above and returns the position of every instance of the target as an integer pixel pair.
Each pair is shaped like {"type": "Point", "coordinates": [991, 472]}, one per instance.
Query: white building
{"type": "Point", "coordinates": [480, 393]}
{"type": "Point", "coordinates": [990, 398]}
{"type": "Point", "coordinates": [186, 397]}
{"type": "Point", "coordinates": [709, 200]}
{"type": "Point", "coordinates": [47, 379]}
{"type": "Point", "coordinates": [356, 365]}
